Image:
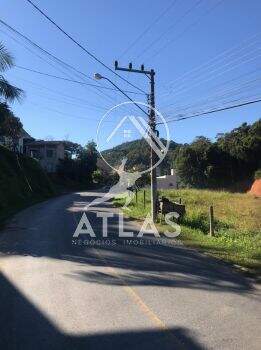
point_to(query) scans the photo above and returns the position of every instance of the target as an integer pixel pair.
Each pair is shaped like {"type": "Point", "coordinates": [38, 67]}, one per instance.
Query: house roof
{"type": "Point", "coordinates": [25, 134]}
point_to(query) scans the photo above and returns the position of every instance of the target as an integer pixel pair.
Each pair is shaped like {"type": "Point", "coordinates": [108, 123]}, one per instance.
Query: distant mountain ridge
{"type": "Point", "coordinates": [138, 154]}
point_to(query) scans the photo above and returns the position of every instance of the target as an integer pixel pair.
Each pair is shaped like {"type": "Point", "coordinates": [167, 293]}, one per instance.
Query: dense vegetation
{"type": "Point", "coordinates": [230, 162]}
{"type": "Point", "coordinates": [138, 154]}
{"type": "Point", "coordinates": [22, 182]}
{"type": "Point", "coordinates": [232, 159]}
{"type": "Point", "coordinates": [10, 125]}
{"type": "Point", "coordinates": [79, 164]}
{"type": "Point", "coordinates": [237, 216]}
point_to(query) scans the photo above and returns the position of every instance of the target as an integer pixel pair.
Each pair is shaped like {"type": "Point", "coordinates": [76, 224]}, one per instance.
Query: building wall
{"type": "Point", "coordinates": [7, 142]}
{"type": "Point", "coordinates": [48, 155]}
{"type": "Point", "coordinates": [167, 182]}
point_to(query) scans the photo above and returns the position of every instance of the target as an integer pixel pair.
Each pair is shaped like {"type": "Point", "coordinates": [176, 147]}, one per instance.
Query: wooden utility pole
{"type": "Point", "coordinates": [153, 132]}
{"type": "Point", "coordinates": [211, 221]}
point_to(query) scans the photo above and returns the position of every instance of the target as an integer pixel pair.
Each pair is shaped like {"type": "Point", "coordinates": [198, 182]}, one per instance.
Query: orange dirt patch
{"type": "Point", "coordinates": [256, 188]}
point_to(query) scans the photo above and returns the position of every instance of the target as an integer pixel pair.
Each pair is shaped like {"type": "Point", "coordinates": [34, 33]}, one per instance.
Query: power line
{"type": "Point", "coordinates": [198, 83]}
{"type": "Point", "coordinates": [220, 96]}
{"type": "Point", "coordinates": [54, 58]}
{"type": "Point", "coordinates": [31, 51]}
{"type": "Point", "coordinates": [218, 105]}
{"type": "Point", "coordinates": [75, 81]}
{"type": "Point", "coordinates": [64, 95]}
{"type": "Point", "coordinates": [169, 28]}
{"type": "Point", "coordinates": [212, 111]}
{"type": "Point", "coordinates": [218, 71]}
{"type": "Point", "coordinates": [65, 114]}
{"type": "Point", "coordinates": [82, 47]}
{"type": "Point", "coordinates": [149, 27]}
{"type": "Point", "coordinates": [185, 30]}
{"type": "Point", "coordinates": [49, 55]}
{"type": "Point", "coordinates": [224, 84]}
{"type": "Point", "coordinates": [210, 63]}
{"type": "Point", "coordinates": [230, 89]}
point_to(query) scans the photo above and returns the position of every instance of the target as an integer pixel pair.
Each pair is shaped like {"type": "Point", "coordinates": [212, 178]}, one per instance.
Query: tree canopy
{"type": "Point", "coordinates": [7, 90]}
{"type": "Point", "coordinates": [233, 157]}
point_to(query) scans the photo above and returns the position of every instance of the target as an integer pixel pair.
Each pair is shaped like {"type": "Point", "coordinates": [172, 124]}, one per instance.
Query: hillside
{"type": "Point", "coordinates": [22, 182]}
{"type": "Point", "coordinates": [228, 162]}
{"type": "Point", "coordinates": [138, 154]}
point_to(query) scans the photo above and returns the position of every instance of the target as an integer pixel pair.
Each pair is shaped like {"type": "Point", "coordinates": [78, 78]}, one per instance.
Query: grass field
{"type": "Point", "coordinates": [237, 237]}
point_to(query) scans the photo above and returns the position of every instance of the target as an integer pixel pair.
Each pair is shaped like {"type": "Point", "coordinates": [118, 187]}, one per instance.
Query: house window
{"type": "Point", "coordinates": [34, 153]}
{"type": "Point", "coordinates": [49, 153]}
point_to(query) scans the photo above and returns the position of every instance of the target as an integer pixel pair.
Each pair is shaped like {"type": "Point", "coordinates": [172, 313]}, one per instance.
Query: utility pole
{"type": "Point", "coordinates": [153, 132]}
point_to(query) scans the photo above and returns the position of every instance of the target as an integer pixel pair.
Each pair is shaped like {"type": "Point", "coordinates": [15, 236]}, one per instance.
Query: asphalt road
{"type": "Point", "coordinates": [59, 293]}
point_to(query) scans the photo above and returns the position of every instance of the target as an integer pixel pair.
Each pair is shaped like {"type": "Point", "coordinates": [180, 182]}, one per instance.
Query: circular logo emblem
{"type": "Point", "coordinates": [123, 124]}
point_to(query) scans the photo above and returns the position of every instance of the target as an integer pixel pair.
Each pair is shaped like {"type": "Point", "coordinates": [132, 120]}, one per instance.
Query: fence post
{"type": "Point", "coordinates": [136, 195]}
{"type": "Point", "coordinates": [144, 199]}
{"type": "Point", "coordinates": [180, 201]}
{"type": "Point", "coordinates": [211, 221]}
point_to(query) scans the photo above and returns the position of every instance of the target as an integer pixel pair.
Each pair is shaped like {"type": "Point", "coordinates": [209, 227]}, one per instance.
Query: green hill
{"type": "Point", "coordinates": [22, 182]}
{"type": "Point", "coordinates": [138, 154]}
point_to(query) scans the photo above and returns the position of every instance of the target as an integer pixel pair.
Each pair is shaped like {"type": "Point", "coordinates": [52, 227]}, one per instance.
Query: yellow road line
{"type": "Point", "coordinates": [141, 304]}
{"type": "Point", "coordinates": [138, 300]}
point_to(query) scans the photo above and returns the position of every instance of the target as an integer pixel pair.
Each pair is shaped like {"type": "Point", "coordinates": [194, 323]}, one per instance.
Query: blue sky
{"type": "Point", "coordinates": [205, 53]}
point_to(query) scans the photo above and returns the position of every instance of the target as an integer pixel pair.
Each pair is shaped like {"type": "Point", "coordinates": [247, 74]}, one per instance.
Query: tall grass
{"type": "Point", "coordinates": [237, 216]}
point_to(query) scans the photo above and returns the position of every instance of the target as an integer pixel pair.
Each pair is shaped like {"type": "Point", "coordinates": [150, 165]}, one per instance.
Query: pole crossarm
{"type": "Point", "coordinates": [134, 70]}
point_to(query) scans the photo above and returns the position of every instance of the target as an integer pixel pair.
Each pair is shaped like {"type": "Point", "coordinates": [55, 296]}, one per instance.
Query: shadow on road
{"type": "Point", "coordinates": [29, 329]}
{"type": "Point", "coordinates": [149, 265]}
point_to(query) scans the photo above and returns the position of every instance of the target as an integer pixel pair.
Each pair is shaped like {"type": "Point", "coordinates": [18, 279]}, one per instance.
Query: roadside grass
{"type": "Point", "coordinates": [237, 237]}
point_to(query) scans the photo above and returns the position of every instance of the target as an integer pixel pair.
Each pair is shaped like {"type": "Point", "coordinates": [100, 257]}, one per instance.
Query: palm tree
{"type": "Point", "coordinates": [7, 91]}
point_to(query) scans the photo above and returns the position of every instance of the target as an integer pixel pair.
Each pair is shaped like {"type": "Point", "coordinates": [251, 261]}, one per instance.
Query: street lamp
{"type": "Point", "coordinates": [98, 76]}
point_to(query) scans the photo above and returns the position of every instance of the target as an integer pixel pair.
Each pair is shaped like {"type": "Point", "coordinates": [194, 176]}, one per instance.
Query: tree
{"type": "Point", "coordinates": [72, 149]}
{"type": "Point", "coordinates": [243, 145]}
{"type": "Point", "coordinates": [13, 127]}
{"type": "Point", "coordinates": [98, 177]}
{"type": "Point", "coordinates": [80, 163]}
{"type": "Point", "coordinates": [138, 154]}
{"type": "Point", "coordinates": [192, 162]}
{"type": "Point", "coordinates": [10, 126]}
{"type": "Point", "coordinates": [87, 161]}
{"type": "Point", "coordinates": [7, 91]}
{"type": "Point", "coordinates": [229, 161]}
{"type": "Point", "coordinates": [5, 112]}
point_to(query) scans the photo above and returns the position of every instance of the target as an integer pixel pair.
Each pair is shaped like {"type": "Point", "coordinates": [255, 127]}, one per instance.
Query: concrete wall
{"type": "Point", "coordinates": [167, 181]}
{"type": "Point", "coordinates": [47, 154]}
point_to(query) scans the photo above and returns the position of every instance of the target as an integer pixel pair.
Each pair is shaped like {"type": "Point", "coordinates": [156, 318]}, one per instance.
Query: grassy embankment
{"type": "Point", "coordinates": [237, 236]}
{"type": "Point", "coordinates": [15, 192]}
